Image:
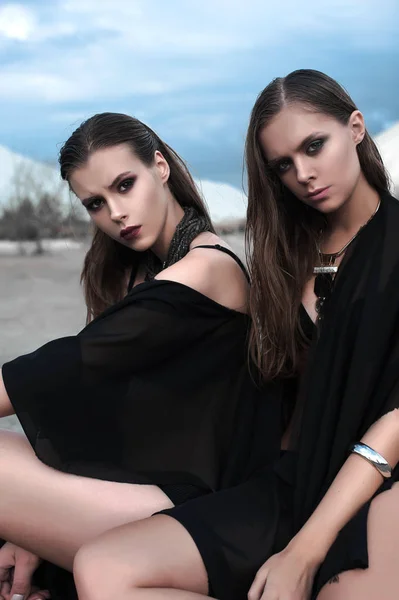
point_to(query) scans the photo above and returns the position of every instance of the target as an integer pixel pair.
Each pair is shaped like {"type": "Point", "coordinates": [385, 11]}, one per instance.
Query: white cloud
{"type": "Point", "coordinates": [154, 47]}
{"type": "Point", "coordinates": [17, 22]}
{"type": "Point", "coordinates": [222, 25]}
{"type": "Point", "coordinates": [24, 24]}
{"type": "Point", "coordinates": [34, 84]}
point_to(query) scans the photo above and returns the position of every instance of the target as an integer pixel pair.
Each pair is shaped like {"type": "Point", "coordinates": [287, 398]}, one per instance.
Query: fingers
{"type": "Point", "coordinates": [5, 590]}
{"type": "Point", "coordinates": [23, 572]}
{"type": "Point", "coordinates": [5, 565]}
{"type": "Point", "coordinates": [4, 574]}
{"type": "Point", "coordinates": [5, 594]}
{"type": "Point", "coordinates": [38, 595]}
{"type": "Point", "coordinates": [258, 586]}
{"type": "Point", "coordinates": [7, 561]}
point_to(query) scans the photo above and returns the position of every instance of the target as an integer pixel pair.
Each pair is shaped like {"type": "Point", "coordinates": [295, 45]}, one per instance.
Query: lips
{"type": "Point", "coordinates": [318, 194]}
{"type": "Point", "coordinates": [130, 232]}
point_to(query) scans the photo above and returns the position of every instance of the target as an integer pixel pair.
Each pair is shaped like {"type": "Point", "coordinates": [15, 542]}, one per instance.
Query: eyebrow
{"type": "Point", "coordinates": [274, 162]}
{"type": "Point", "coordinates": [115, 182]}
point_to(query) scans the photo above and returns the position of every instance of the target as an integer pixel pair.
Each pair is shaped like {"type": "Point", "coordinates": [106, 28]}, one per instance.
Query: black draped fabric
{"type": "Point", "coordinates": [353, 376]}
{"type": "Point", "coordinates": [156, 390]}
{"type": "Point", "coordinates": [351, 380]}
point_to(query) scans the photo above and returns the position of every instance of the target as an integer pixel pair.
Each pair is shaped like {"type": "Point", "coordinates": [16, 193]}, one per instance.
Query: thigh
{"type": "Point", "coordinates": [157, 552]}
{"type": "Point", "coordinates": [52, 513]}
{"type": "Point", "coordinates": [381, 579]}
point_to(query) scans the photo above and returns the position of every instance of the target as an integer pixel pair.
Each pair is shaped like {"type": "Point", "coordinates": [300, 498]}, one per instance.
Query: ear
{"type": "Point", "coordinates": [357, 126]}
{"type": "Point", "coordinates": [162, 166]}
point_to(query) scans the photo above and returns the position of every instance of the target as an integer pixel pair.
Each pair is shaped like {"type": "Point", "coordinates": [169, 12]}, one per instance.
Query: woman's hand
{"type": "Point", "coordinates": [17, 567]}
{"type": "Point", "coordinates": [287, 575]}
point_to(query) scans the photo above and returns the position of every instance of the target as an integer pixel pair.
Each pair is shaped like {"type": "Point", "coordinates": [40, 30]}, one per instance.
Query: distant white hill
{"type": "Point", "coordinates": [15, 168]}
{"type": "Point", "coordinates": [226, 203]}
{"type": "Point", "coordinates": [388, 144]}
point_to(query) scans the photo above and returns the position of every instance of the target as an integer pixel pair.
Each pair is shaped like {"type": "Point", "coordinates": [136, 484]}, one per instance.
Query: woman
{"type": "Point", "coordinates": [325, 302]}
{"type": "Point", "coordinates": [153, 402]}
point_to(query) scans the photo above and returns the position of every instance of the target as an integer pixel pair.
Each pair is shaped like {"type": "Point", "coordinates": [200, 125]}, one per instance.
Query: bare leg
{"type": "Point", "coordinates": [381, 579]}
{"type": "Point", "coordinates": [147, 560]}
{"type": "Point", "coordinates": [53, 514]}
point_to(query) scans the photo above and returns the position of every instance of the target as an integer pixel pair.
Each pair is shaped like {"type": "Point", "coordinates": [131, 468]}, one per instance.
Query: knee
{"type": "Point", "coordinates": [88, 573]}
{"type": "Point", "coordinates": [100, 575]}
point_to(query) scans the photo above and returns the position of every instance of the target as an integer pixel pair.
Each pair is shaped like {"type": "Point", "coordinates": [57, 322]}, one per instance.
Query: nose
{"type": "Point", "coordinates": [117, 210]}
{"type": "Point", "coordinates": [304, 170]}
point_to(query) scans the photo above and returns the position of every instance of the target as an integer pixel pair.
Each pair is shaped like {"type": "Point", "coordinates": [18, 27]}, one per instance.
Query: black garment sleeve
{"type": "Point", "coordinates": [120, 392]}
{"type": "Point", "coordinates": [147, 328]}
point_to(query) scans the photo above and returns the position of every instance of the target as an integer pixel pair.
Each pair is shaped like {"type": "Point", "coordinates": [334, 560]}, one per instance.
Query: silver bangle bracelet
{"type": "Point", "coordinates": [374, 458]}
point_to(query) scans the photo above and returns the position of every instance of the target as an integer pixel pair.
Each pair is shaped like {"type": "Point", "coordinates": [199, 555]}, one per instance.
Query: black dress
{"type": "Point", "coordinates": [236, 530]}
{"type": "Point", "coordinates": [156, 390]}
{"type": "Point", "coordinates": [351, 380]}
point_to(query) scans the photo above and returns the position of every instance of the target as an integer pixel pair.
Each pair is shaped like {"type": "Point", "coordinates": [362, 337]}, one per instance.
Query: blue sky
{"type": "Point", "coordinates": [190, 69]}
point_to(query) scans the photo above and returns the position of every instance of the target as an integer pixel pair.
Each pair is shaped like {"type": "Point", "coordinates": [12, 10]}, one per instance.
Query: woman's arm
{"type": "Point", "coordinates": [355, 484]}
{"type": "Point", "coordinates": [290, 573]}
{"type": "Point", "coordinates": [6, 408]}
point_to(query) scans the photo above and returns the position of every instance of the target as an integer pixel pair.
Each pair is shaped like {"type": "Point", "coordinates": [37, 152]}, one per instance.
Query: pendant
{"type": "Point", "coordinates": [323, 285]}
{"type": "Point", "coordinates": [326, 269]}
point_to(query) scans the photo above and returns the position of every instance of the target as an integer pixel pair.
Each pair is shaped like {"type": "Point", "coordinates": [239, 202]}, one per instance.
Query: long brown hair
{"type": "Point", "coordinates": [281, 231]}
{"type": "Point", "coordinates": [107, 262]}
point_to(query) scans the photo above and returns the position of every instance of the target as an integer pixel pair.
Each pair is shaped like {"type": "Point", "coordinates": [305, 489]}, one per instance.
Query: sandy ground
{"type": "Point", "coordinates": [41, 300]}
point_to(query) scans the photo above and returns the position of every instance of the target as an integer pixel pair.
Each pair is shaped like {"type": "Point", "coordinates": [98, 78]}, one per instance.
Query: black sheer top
{"type": "Point", "coordinates": [155, 390]}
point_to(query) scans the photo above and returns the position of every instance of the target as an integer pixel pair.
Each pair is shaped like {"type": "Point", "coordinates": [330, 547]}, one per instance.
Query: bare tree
{"type": "Point", "coordinates": [33, 212]}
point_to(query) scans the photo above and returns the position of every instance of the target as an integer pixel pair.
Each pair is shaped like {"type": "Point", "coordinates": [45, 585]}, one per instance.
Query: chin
{"type": "Point", "coordinates": [328, 206]}
{"type": "Point", "coordinates": [135, 245]}
{"type": "Point", "coordinates": [141, 245]}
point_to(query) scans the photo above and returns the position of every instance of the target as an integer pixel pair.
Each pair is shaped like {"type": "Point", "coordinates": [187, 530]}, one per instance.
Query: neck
{"type": "Point", "coordinates": [174, 215]}
{"type": "Point", "coordinates": [353, 214]}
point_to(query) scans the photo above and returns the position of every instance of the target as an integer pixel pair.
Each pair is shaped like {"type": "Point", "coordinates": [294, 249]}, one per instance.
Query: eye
{"type": "Point", "coordinates": [95, 205]}
{"type": "Point", "coordinates": [126, 185]}
{"type": "Point", "coordinates": [315, 146]}
{"type": "Point", "coordinates": [283, 166]}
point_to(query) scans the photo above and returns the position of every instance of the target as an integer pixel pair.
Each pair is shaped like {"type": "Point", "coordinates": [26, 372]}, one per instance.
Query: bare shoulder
{"type": "Point", "coordinates": [211, 272]}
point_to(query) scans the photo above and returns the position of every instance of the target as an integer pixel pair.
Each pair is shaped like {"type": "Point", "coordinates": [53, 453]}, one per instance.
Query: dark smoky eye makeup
{"type": "Point", "coordinates": [93, 204]}
{"type": "Point", "coordinates": [283, 166]}
{"type": "Point", "coordinates": [126, 184]}
{"type": "Point", "coordinates": [310, 146]}
{"type": "Point", "coordinates": [316, 145]}
{"type": "Point", "coordinates": [122, 187]}
{"type": "Point", "coordinates": [279, 166]}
